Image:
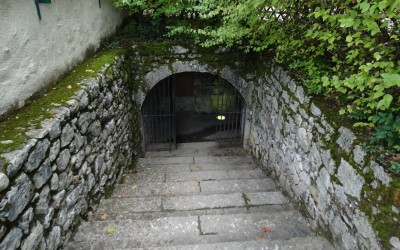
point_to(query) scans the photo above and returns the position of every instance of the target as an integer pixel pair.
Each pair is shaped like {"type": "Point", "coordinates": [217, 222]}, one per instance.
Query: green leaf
{"type": "Point", "coordinates": [385, 102]}
{"type": "Point", "coordinates": [383, 4]}
{"type": "Point", "coordinates": [347, 22]}
{"type": "Point", "coordinates": [342, 112]}
{"type": "Point", "coordinates": [377, 56]}
{"type": "Point", "coordinates": [364, 6]}
{"type": "Point", "coordinates": [349, 38]}
{"type": "Point", "coordinates": [363, 124]}
{"type": "Point", "coordinates": [391, 80]}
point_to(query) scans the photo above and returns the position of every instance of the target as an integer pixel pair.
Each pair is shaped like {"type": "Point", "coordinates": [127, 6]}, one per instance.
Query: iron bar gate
{"type": "Point", "coordinates": [159, 116]}
{"type": "Point", "coordinates": [230, 112]}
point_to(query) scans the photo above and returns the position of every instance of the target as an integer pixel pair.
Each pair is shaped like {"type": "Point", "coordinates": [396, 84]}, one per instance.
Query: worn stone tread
{"type": "Point", "coordinates": [151, 188]}
{"type": "Point", "coordinates": [236, 160]}
{"type": "Point", "coordinates": [215, 175]}
{"type": "Point", "coordinates": [222, 167]}
{"type": "Point", "coordinates": [167, 160]}
{"type": "Point", "coordinates": [118, 214]}
{"type": "Point", "coordinates": [238, 185]}
{"type": "Point", "coordinates": [198, 149]}
{"type": "Point", "coordinates": [193, 229]}
{"type": "Point", "coordinates": [155, 176]}
{"type": "Point", "coordinates": [297, 243]}
{"type": "Point", "coordinates": [191, 202]}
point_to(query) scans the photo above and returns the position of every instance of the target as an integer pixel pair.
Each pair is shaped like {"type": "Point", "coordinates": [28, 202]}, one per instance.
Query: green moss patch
{"type": "Point", "coordinates": [14, 127]}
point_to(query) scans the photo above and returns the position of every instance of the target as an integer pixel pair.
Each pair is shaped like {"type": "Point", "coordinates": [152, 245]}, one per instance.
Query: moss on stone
{"type": "Point", "coordinates": [14, 127]}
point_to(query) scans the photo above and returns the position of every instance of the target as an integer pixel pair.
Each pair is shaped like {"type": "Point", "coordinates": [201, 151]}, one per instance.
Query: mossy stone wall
{"type": "Point", "coordinates": [57, 176]}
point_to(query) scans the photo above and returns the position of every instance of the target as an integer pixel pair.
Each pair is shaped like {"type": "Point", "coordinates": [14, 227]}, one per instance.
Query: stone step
{"type": "Point", "coordinates": [172, 231]}
{"type": "Point", "coordinates": [140, 177]}
{"type": "Point", "coordinates": [152, 188]}
{"type": "Point", "coordinates": [224, 160]}
{"type": "Point", "coordinates": [100, 216]}
{"type": "Point", "coordinates": [295, 243]}
{"type": "Point", "coordinates": [198, 149]}
{"type": "Point", "coordinates": [171, 206]}
{"type": "Point", "coordinates": [178, 168]}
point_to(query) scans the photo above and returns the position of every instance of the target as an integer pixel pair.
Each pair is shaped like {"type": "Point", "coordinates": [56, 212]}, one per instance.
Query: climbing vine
{"type": "Point", "coordinates": [345, 50]}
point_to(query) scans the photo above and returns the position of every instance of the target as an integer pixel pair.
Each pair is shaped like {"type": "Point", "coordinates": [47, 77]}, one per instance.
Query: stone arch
{"type": "Point", "coordinates": [226, 73]}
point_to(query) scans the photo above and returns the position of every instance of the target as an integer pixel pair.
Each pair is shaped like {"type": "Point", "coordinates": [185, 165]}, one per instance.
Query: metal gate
{"type": "Point", "coordinates": [230, 113]}
{"type": "Point", "coordinates": [159, 116]}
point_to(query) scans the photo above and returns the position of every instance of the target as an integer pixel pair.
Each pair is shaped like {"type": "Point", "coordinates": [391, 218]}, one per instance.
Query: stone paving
{"type": "Point", "coordinates": [197, 197]}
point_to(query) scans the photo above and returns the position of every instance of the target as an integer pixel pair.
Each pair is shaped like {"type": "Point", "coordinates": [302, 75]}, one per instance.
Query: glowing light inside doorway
{"type": "Point", "coordinates": [221, 117]}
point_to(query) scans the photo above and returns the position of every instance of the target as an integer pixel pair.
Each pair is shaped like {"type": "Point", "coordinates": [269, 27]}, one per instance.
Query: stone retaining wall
{"type": "Point", "coordinates": [318, 164]}
{"type": "Point", "coordinates": [59, 175]}
{"type": "Point", "coordinates": [68, 164]}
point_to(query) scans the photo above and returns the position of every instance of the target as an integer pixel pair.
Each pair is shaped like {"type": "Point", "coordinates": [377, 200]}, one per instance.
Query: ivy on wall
{"type": "Point", "coordinates": [348, 51]}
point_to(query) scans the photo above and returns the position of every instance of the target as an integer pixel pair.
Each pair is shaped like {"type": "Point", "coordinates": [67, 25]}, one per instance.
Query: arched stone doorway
{"type": "Point", "coordinates": [193, 107]}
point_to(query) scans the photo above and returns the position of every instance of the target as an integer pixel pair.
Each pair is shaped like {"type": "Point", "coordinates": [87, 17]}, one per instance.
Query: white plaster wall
{"type": "Point", "coordinates": [35, 53]}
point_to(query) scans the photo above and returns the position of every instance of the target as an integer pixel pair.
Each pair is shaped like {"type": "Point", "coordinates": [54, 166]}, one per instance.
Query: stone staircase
{"type": "Point", "coordinates": [197, 197]}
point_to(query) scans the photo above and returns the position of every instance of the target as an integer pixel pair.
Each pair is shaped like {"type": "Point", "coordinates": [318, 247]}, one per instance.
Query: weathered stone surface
{"type": "Point", "coordinates": [55, 129]}
{"type": "Point", "coordinates": [12, 240]}
{"type": "Point", "coordinates": [17, 158]}
{"type": "Point", "coordinates": [395, 242]}
{"type": "Point", "coordinates": [74, 195]}
{"type": "Point", "coordinates": [359, 154]}
{"type": "Point", "coordinates": [25, 220]}
{"type": "Point", "coordinates": [4, 182]}
{"type": "Point", "coordinates": [351, 180]}
{"type": "Point", "coordinates": [37, 133]}
{"type": "Point", "coordinates": [83, 99]}
{"type": "Point", "coordinates": [300, 94]}
{"type": "Point", "coordinates": [346, 138]}
{"type": "Point", "coordinates": [380, 174]}
{"type": "Point", "coordinates": [34, 238]}
{"type": "Point", "coordinates": [44, 199]}
{"type": "Point", "coordinates": [43, 174]}
{"type": "Point", "coordinates": [37, 155]}
{"type": "Point", "coordinates": [83, 121]}
{"type": "Point", "coordinates": [54, 238]}
{"type": "Point", "coordinates": [315, 110]}
{"type": "Point", "coordinates": [54, 150]}
{"type": "Point", "coordinates": [304, 139]}
{"type": "Point", "coordinates": [48, 218]}
{"type": "Point", "coordinates": [54, 182]}
{"type": "Point", "coordinates": [63, 159]}
{"type": "Point", "coordinates": [179, 50]}
{"type": "Point", "coordinates": [95, 129]}
{"type": "Point", "coordinates": [66, 135]}
{"type": "Point", "coordinates": [15, 200]}
{"type": "Point", "coordinates": [58, 197]}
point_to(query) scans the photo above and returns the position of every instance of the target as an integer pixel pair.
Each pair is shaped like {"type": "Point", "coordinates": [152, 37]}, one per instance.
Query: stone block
{"type": "Point", "coordinates": [66, 135]}
{"type": "Point", "coordinates": [380, 174]}
{"type": "Point", "coordinates": [43, 174]}
{"type": "Point", "coordinates": [4, 182]}
{"type": "Point", "coordinates": [351, 180]}
{"type": "Point", "coordinates": [63, 159]}
{"type": "Point", "coordinates": [12, 240]}
{"type": "Point", "coordinates": [37, 155]}
{"type": "Point", "coordinates": [34, 238]}
{"type": "Point", "coordinates": [15, 200]}
{"type": "Point", "coordinates": [346, 139]}
{"type": "Point", "coordinates": [315, 110]}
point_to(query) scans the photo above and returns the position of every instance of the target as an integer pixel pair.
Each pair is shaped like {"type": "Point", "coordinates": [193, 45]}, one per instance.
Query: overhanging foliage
{"type": "Point", "coordinates": [345, 50]}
